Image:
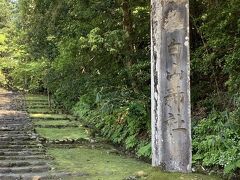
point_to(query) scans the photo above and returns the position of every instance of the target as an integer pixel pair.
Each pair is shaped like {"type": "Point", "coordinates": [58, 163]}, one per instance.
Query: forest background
{"type": "Point", "coordinates": [92, 57]}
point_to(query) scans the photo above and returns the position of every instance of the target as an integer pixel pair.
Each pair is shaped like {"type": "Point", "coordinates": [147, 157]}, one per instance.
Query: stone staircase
{"type": "Point", "coordinates": [21, 154]}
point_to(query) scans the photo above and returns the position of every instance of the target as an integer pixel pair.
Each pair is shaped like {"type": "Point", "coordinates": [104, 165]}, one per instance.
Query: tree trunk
{"type": "Point", "coordinates": [127, 22]}
{"type": "Point", "coordinates": [128, 27]}
{"type": "Point", "coordinates": [171, 112]}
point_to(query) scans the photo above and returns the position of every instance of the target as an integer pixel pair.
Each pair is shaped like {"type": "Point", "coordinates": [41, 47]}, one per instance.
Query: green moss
{"type": "Point", "coordinates": [37, 103]}
{"type": "Point", "coordinates": [32, 97]}
{"type": "Point", "coordinates": [48, 116]}
{"type": "Point", "coordinates": [2, 38]}
{"type": "Point", "coordinates": [54, 122]}
{"type": "Point", "coordinates": [39, 110]}
{"type": "Point", "coordinates": [98, 163]}
{"type": "Point", "coordinates": [101, 165]}
{"type": "Point", "coordinates": [64, 133]}
{"type": "Point", "coordinates": [157, 175]}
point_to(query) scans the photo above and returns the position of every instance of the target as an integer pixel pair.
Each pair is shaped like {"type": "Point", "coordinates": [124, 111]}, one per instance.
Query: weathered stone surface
{"type": "Point", "coordinates": [171, 122]}
{"type": "Point", "coordinates": [20, 151]}
{"type": "Point", "coordinates": [22, 156]}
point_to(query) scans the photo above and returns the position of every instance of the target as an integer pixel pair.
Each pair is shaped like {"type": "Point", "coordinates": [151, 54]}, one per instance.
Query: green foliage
{"type": "Point", "coordinates": [29, 76]}
{"type": "Point", "coordinates": [216, 141]}
{"type": "Point", "coordinates": [123, 121]}
{"type": "Point", "coordinates": [215, 62]}
{"type": "Point", "coordinates": [215, 84]}
{"type": "Point", "coordinates": [5, 14]}
{"type": "Point", "coordinates": [91, 64]}
{"type": "Point", "coordinates": [6, 28]}
{"type": "Point", "coordinates": [145, 150]}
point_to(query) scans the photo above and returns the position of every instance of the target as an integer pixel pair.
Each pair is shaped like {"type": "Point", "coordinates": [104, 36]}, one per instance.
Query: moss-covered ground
{"type": "Point", "coordinates": [63, 133]}
{"type": "Point", "coordinates": [98, 162]}
{"type": "Point", "coordinates": [54, 122]}
{"type": "Point", "coordinates": [40, 116]}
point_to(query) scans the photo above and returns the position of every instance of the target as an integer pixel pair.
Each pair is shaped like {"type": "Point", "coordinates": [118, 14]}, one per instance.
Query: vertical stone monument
{"type": "Point", "coordinates": [170, 93]}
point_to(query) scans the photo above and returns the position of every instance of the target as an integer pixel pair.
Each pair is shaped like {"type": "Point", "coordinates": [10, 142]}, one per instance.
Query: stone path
{"type": "Point", "coordinates": [21, 154]}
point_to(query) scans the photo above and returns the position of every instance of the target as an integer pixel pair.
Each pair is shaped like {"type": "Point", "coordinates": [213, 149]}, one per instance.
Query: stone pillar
{"type": "Point", "coordinates": [170, 90]}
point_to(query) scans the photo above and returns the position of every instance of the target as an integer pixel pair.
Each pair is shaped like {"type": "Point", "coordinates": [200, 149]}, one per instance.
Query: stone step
{"type": "Point", "coordinates": [18, 142]}
{"type": "Point", "coordinates": [31, 157]}
{"type": "Point", "coordinates": [37, 106]}
{"type": "Point", "coordinates": [57, 126]}
{"type": "Point", "coordinates": [15, 121]}
{"type": "Point", "coordinates": [38, 176]}
{"type": "Point", "coordinates": [28, 169]}
{"type": "Point", "coordinates": [18, 136]}
{"type": "Point", "coordinates": [10, 163]}
{"type": "Point", "coordinates": [20, 153]}
{"type": "Point", "coordinates": [10, 134]}
{"type": "Point", "coordinates": [20, 146]}
{"type": "Point", "coordinates": [33, 105]}
{"type": "Point", "coordinates": [12, 117]}
{"type": "Point", "coordinates": [10, 138]}
{"type": "Point", "coordinates": [15, 128]}
{"type": "Point", "coordinates": [6, 126]}
{"type": "Point", "coordinates": [40, 112]}
{"type": "Point", "coordinates": [23, 149]}
{"type": "Point", "coordinates": [37, 100]}
{"type": "Point", "coordinates": [49, 118]}
{"type": "Point", "coordinates": [15, 132]}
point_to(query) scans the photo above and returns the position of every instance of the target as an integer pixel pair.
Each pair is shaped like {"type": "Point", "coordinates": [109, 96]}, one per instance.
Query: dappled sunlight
{"type": "Point", "coordinates": [47, 116]}
{"type": "Point", "coordinates": [76, 148]}
{"type": "Point", "coordinates": [6, 110]}
{"type": "Point", "coordinates": [3, 91]}
{"type": "Point", "coordinates": [9, 113]}
{"type": "Point", "coordinates": [104, 163]}
{"type": "Point", "coordinates": [3, 99]}
{"type": "Point", "coordinates": [157, 79]}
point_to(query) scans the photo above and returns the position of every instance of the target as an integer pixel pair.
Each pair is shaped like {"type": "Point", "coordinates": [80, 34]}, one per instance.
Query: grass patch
{"type": "Point", "coordinates": [54, 122]}
{"type": "Point", "coordinates": [38, 106]}
{"type": "Point", "coordinates": [63, 133]}
{"type": "Point", "coordinates": [31, 97]}
{"type": "Point", "coordinates": [37, 103]}
{"type": "Point", "coordinates": [97, 163]}
{"type": "Point", "coordinates": [100, 165]}
{"type": "Point", "coordinates": [39, 110]}
{"type": "Point", "coordinates": [48, 116]}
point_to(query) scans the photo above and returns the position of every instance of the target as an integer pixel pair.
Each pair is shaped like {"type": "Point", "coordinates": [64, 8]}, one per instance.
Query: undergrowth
{"type": "Point", "coordinates": [216, 141]}
{"type": "Point", "coordinates": [123, 120]}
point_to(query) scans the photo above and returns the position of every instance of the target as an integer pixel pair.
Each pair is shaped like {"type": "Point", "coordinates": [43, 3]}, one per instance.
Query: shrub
{"type": "Point", "coordinates": [216, 141]}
